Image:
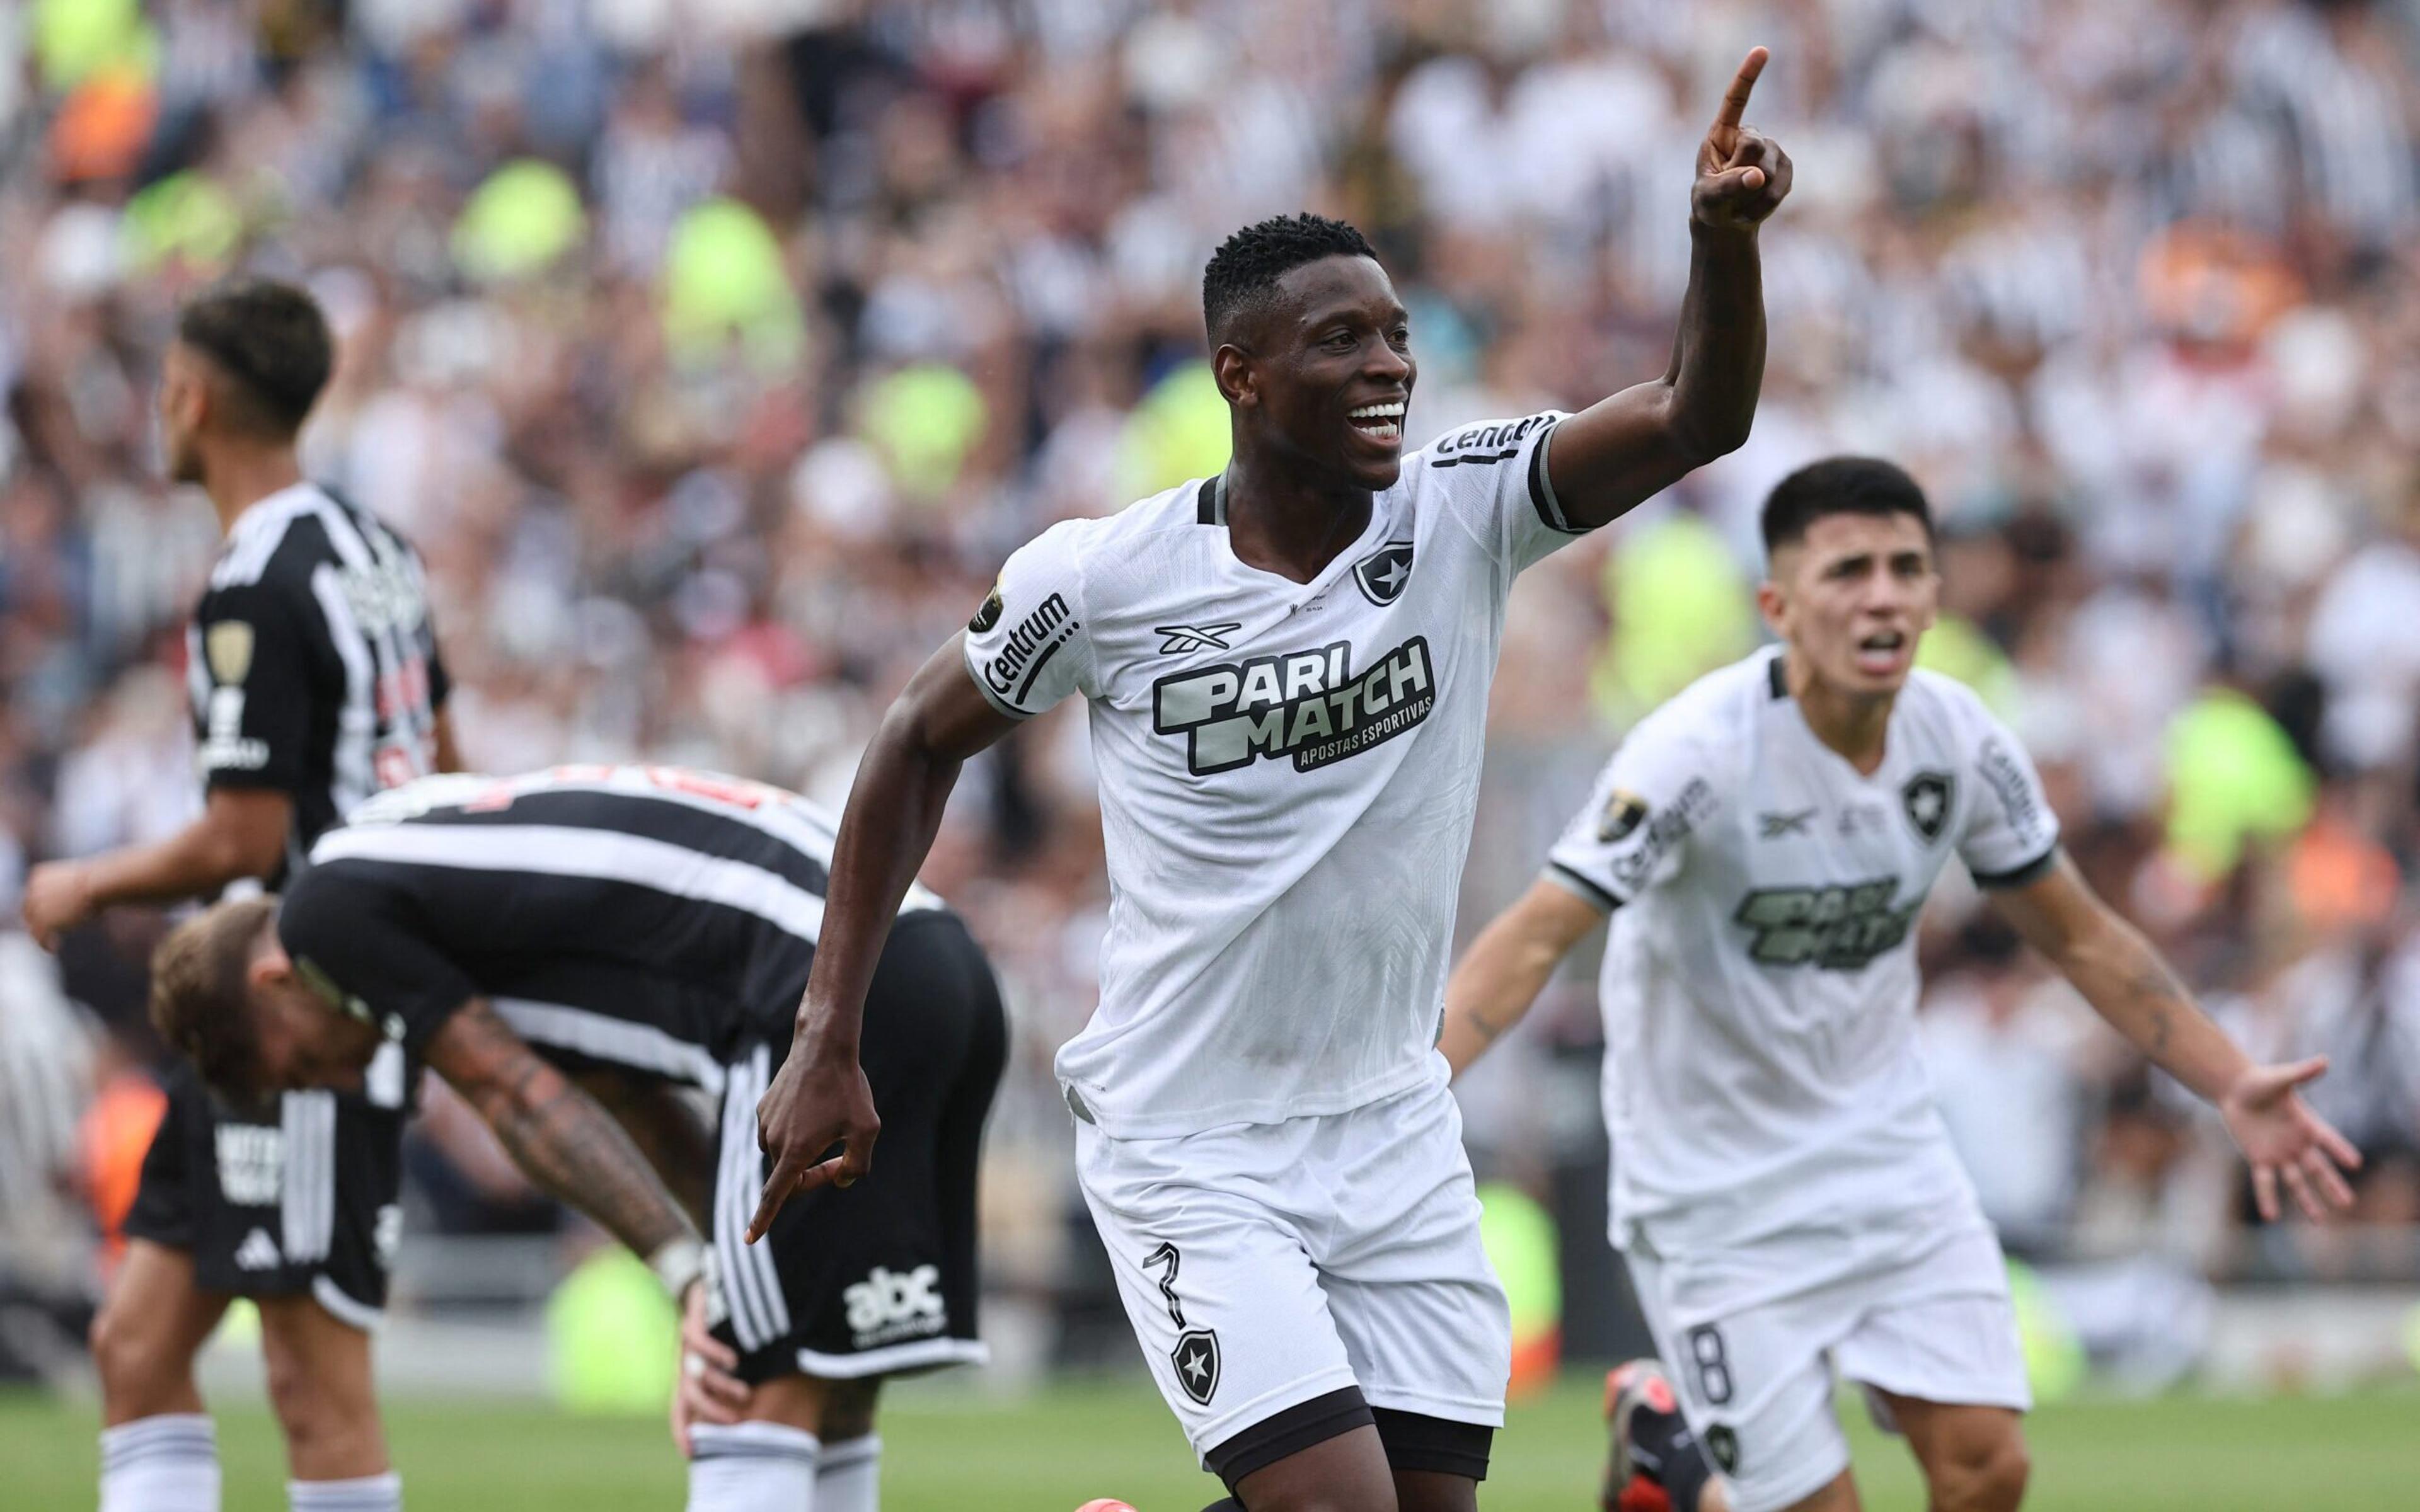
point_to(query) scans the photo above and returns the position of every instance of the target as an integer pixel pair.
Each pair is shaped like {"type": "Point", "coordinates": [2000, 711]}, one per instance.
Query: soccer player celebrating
{"type": "Point", "coordinates": [1783, 1189]}
{"type": "Point", "coordinates": [1288, 668]}
{"type": "Point", "coordinates": [316, 682]}
{"type": "Point", "coordinates": [608, 938]}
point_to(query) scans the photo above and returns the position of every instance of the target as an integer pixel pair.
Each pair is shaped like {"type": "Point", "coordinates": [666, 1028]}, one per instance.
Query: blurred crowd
{"type": "Point", "coordinates": [716, 351]}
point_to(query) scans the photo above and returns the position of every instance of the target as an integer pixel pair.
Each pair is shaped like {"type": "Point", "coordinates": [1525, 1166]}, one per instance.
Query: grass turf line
{"type": "Point", "coordinates": [947, 1450]}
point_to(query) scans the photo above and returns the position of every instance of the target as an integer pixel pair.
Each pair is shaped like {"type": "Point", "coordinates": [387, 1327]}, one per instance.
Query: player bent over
{"type": "Point", "coordinates": [644, 933]}
{"type": "Point", "coordinates": [1287, 668]}
{"type": "Point", "coordinates": [1784, 1192]}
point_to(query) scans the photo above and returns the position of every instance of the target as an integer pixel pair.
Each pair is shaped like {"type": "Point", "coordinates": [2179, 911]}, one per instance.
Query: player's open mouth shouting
{"type": "Point", "coordinates": [1885, 653]}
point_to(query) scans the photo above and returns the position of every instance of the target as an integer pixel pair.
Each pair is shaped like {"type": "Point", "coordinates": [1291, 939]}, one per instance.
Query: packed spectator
{"type": "Point", "coordinates": [714, 354]}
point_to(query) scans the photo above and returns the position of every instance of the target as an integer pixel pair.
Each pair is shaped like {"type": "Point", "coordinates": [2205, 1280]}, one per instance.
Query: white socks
{"type": "Point", "coordinates": [752, 1467]}
{"type": "Point", "coordinates": [168, 1463]}
{"type": "Point", "coordinates": [369, 1493]}
{"type": "Point", "coordinates": [848, 1478]}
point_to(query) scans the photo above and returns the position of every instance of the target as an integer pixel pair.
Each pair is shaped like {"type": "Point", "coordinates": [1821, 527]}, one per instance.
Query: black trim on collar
{"type": "Point", "coordinates": [1205, 505]}
{"type": "Point", "coordinates": [1777, 678]}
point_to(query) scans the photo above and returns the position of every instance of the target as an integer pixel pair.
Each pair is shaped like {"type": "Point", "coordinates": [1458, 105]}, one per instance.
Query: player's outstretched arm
{"type": "Point", "coordinates": [1627, 448]}
{"type": "Point", "coordinates": [820, 1096]}
{"type": "Point", "coordinates": [239, 833]}
{"type": "Point", "coordinates": [1508, 965]}
{"type": "Point", "coordinates": [559, 1136]}
{"type": "Point", "coordinates": [2126, 981]}
{"type": "Point", "coordinates": [563, 1140]}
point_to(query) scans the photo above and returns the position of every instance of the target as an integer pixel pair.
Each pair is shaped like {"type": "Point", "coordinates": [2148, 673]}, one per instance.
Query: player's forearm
{"type": "Point", "coordinates": [197, 861]}
{"type": "Point", "coordinates": [1719, 356]}
{"type": "Point", "coordinates": [1492, 989]}
{"type": "Point", "coordinates": [2132, 988]}
{"type": "Point", "coordinates": [895, 810]}
{"type": "Point", "coordinates": [568, 1145]}
{"type": "Point", "coordinates": [661, 1121]}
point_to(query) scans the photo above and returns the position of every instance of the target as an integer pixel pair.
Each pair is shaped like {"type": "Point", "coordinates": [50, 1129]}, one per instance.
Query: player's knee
{"type": "Point", "coordinates": [321, 1409]}
{"type": "Point", "coordinates": [1981, 1472]}
{"type": "Point", "coordinates": [130, 1360]}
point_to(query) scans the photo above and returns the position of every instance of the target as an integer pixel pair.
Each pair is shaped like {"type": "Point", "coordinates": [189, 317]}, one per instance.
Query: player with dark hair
{"type": "Point", "coordinates": [316, 682]}
{"type": "Point", "coordinates": [1287, 667]}
{"type": "Point", "coordinates": [629, 938]}
{"type": "Point", "coordinates": [1784, 1192]}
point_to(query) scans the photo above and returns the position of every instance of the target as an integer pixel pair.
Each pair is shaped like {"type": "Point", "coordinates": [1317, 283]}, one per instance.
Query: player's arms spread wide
{"type": "Point", "coordinates": [820, 1095]}
{"type": "Point", "coordinates": [1508, 965]}
{"type": "Point", "coordinates": [2126, 981]}
{"type": "Point", "coordinates": [240, 832]}
{"type": "Point", "coordinates": [559, 1136]}
{"type": "Point", "coordinates": [1627, 448]}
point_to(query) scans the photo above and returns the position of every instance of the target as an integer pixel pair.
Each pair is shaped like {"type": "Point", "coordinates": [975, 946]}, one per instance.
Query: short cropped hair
{"type": "Point", "coordinates": [200, 998]}
{"type": "Point", "coordinates": [1839, 486]}
{"type": "Point", "coordinates": [271, 340]}
{"type": "Point", "coordinates": [1243, 273]}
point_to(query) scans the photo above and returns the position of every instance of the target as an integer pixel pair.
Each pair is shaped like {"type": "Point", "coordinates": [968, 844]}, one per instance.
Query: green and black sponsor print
{"type": "Point", "coordinates": [1309, 706]}
{"type": "Point", "coordinates": [1837, 927]}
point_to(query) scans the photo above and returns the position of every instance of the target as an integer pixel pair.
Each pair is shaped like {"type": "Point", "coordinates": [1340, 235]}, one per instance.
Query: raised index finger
{"type": "Point", "coordinates": [1735, 97]}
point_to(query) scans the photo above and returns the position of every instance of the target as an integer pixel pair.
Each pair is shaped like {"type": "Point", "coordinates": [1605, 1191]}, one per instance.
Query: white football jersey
{"type": "Point", "coordinates": [1288, 775]}
{"type": "Point", "coordinates": [1761, 1067]}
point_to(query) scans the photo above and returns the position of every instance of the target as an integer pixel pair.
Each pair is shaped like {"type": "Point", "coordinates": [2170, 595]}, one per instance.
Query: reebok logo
{"type": "Point", "coordinates": [1306, 704]}
{"type": "Point", "coordinates": [259, 1252]}
{"type": "Point", "coordinates": [1037, 638]}
{"type": "Point", "coordinates": [1774, 826]}
{"type": "Point", "coordinates": [1183, 639]}
{"type": "Point", "coordinates": [890, 1305]}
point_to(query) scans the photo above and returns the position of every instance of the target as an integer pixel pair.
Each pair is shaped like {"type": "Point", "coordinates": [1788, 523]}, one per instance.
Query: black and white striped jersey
{"type": "Point", "coordinates": [311, 659]}
{"type": "Point", "coordinates": [652, 918]}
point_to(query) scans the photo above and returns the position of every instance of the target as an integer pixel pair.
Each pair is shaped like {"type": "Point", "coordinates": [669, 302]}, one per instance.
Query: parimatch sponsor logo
{"type": "Point", "coordinates": [1029, 648]}
{"type": "Point", "coordinates": [1306, 705]}
{"type": "Point", "coordinates": [1836, 928]}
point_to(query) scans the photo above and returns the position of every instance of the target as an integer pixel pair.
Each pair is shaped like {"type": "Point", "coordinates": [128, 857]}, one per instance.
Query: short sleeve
{"type": "Point", "coordinates": [254, 722]}
{"type": "Point", "coordinates": [353, 938]}
{"type": "Point", "coordinates": [1650, 800]}
{"type": "Point", "coordinates": [1027, 647]}
{"type": "Point", "coordinates": [2012, 836]}
{"type": "Point", "coordinates": [1491, 478]}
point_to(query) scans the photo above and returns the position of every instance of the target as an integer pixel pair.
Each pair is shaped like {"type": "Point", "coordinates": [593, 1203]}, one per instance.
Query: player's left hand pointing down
{"type": "Point", "coordinates": [1742, 174]}
{"type": "Point", "coordinates": [820, 1097]}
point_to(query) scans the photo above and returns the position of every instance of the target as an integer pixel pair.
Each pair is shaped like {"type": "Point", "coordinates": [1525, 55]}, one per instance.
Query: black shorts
{"type": "Point", "coordinates": [880, 1278]}
{"type": "Point", "coordinates": [297, 1196]}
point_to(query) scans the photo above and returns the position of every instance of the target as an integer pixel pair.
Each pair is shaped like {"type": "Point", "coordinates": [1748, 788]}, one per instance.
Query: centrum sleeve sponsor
{"type": "Point", "coordinates": [1306, 704]}
{"type": "Point", "coordinates": [1011, 669]}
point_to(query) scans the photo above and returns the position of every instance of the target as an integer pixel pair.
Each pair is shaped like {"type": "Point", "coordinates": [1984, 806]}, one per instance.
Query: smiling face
{"type": "Point", "coordinates": [1850, 597]}
{"type": "Point", "coordinates": [1323, 374]}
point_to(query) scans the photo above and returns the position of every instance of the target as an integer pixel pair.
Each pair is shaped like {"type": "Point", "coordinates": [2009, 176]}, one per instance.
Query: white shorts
{"type": "Point", "coordinates": [1755, 1382]}
{"type": "Point", "coordinates": [1264, 1265]}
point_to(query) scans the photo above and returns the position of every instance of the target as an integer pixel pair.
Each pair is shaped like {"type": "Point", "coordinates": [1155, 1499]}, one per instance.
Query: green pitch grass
{"type": "Point", "coordinates": [949, 1450]}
